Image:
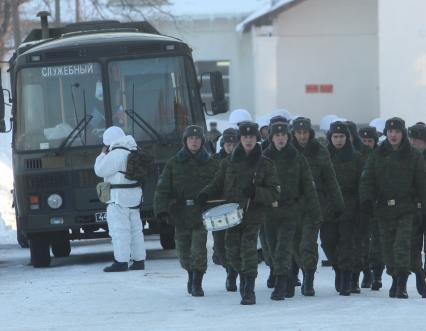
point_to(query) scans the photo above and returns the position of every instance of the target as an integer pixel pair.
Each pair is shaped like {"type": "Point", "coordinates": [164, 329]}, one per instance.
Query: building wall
{"type": "Point", "coordinates": [328, 42]}
{"type": "Point", "coordinates": [217, 40]}
{"type": "Point", "coordinates": [402, 49]}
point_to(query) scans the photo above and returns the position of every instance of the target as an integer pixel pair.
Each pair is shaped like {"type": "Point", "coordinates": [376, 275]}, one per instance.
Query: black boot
{"type": "Point", "coordinates": [337, 279]}
{"type": "Point", "coordinates": [377, 278]}
{"type": "Point", "coordinates": [345, 288]}
{"type": "Point", "coordinates": [242, 285]}
{"type": "Point", "coordinates": [366, 279]}
{"type": "Point", "coordinates": [355, 282]}
{"type": "Point", "coordinates": [231, 280]}
{"type": "Point", "coordinates": [117, 267]}
{"type": "Point", "coordinates": [401, 287]}
{"type": "Point", "coordinates": [196, 288]}
{"type": "Point", "coordinates": [308, 283]}
{"type": "Point", "coordinates": [392, 290]}
{"type": "Point", "coordinates": [189, 283]}
{"type": "Point", "coordinates": [280, 288]}
{"type": "Point", "coordinates": [270, 283]}
{"type": "Point", "coordinates": [249, 298]}
{"type": "Point", "coordinates": [420, 283]}
{"type": "Point", "coordinates": [138, 265]}
{"type": "Point", "coordinates": [291, 285]}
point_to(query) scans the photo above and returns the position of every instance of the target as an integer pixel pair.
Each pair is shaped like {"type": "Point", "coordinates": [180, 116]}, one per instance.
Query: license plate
{"type": "Point", "coordinates": [101, 217]}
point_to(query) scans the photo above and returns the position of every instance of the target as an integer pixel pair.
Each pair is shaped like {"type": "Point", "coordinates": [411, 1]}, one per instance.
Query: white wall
{"type": "Point", "coordinates": [218, 40]}
{"type": "Point", "coordinates": [328, 42]}
{"type": "Point", "coordinates": [402, 49]}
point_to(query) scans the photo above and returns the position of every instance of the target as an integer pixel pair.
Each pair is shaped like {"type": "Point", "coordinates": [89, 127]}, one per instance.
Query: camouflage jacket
{"type": "Point", "coordinates": [323, 173]}
{"type": "Point", "coordinates": [237, 173]}
{"type": "Point", "coordinates": [296, 183]}
{"type": "Point", "coordinates": [180, 182]}
{"type": "Point", "coordinates": [348, 166]}
{"type": "Point", "coordinates": [394, 180]}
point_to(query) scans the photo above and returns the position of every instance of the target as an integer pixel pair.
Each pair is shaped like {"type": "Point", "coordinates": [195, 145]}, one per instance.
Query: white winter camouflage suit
{"type": "Point", "coordinates": [124, 223]}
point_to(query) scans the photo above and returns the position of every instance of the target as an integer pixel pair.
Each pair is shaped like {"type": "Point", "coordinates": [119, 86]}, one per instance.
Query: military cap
{"type": "Point", "coordinates": [277, 119]}
{"type": "Point", "coordinates": [339, 127]}
{"type": "Point", "coordinates": [417, 131]}
{"type": "Point", "coordinates": [396, 123]}
{"type": "Point", "coordinates": [301, 123]}
{"type": "Point", "coordinates": [278, 128]}
{"type": "Point", "coordinates": [368, 132]}
{"type": "Point", "coordinates": [230, 135]}
{"type": "Point", "coordinates": [248, 128]}
{"type": "Point", "coordinates": [193, 131]}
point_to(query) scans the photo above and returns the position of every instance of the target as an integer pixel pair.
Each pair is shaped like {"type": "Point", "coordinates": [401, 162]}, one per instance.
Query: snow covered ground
{"type": "Point", "coordinates": [74, 294]}
{"type": "Point", "coordinates": [7, 213]}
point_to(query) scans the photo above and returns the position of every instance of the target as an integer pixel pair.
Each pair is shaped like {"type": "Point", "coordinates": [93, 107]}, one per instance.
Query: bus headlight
{"type": "Point", "coordinates": [54, 201]}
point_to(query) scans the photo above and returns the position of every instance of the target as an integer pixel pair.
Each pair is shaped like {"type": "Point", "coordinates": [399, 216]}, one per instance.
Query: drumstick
{"type": "Point", "coordinates": [215, 201]}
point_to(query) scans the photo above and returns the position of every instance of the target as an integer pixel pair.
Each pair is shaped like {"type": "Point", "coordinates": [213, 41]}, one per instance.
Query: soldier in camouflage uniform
{"type": "Point", "coordinates": [249, 179]}
{"type": "Point", "coordinates": [417, 134]}
{"type": "Point", "coordinates": [297, 186]}
{"type": "Point", "coordinates": [328, 191]}
{"type": "Point", "coordinates": [266, 254]}
{"type": "Point", "coordinates": [179, 184]}
{"type": "Point", "coordinates": [228, 142]}
{"type": "Point", "coordinates": [370, 138]}
{"type": "Point", "coordinates": [361, 235]}
{"type": "Point", "coordinates": [393, 181]}
{"type": "Point", "coordinates": [337, 231]}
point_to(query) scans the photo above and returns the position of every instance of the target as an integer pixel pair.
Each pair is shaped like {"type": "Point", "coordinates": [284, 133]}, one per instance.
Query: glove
{"type": "Point", "coordinates": [367, 207]}
{"type": "Point", "coordinates": [249, 191]}
{"type": "Point", "coordinates": [201, 199]}
{"type": "Point", "coordinates": [164, 218]}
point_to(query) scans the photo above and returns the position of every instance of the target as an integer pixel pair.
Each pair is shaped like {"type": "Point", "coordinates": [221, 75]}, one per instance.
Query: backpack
{"type": "Point", "coordinates": [139, 162]}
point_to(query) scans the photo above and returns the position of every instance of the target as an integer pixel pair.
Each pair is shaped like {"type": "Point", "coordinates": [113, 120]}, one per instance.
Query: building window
{"type": "Point", "coordinates": [209, 66]}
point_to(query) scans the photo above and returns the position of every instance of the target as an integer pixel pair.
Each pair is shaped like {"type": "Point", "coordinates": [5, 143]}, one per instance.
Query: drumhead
{"type": "Point", "coordinates": [221, 210]}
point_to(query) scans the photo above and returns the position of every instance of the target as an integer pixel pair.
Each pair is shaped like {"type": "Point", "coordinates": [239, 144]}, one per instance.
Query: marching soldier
{"type": "Point", "coordinates": [328, 191]}
{"type": "Point", "coordinates": [296, 185]}
{"type": "Point", "coordinates": [250, 179]}
{"type": "Point", "coordinates": [337, 231]}
{"type": "Point", "coordinates": [370, 138]}
{"type": "Point", "coordinates": [393, 181]}
{"type": "Point", "coordinates": [228, 142]}
{"type": "Point", "coordinates": [361, 235]}
{"type": "Point", "coordinates": [181, 180]}
{"type": "Point", "coordinates": [417, 134]}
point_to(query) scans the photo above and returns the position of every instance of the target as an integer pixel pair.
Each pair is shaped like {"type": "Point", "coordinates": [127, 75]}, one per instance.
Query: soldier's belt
{"type": "Point", "coordinates": [393, 202]}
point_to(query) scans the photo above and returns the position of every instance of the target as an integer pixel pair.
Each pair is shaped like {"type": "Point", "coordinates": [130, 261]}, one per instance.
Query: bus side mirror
{"type": "Point", "coordinates": [219, 104]}
{"type": "Point", "coordinates": [2, 123]}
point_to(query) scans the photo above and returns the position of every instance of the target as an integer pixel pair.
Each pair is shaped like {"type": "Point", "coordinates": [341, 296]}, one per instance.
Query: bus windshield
{"type": "Point", "coordinates": [155, 91]}
{"type": "Point", "coordinates": [53, 100]}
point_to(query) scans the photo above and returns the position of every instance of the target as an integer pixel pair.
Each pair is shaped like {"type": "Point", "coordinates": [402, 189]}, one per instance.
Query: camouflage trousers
{"type": "Point", "coordinates": [305, 243]}
{"type": "Point", "coordinates": [191, 247]}
{"type": "Point", "coordinates": [265, 249]}
{"type": "Point", "coordinates": [418, 231]}
{"type": "Point", "coordinates": [337, 243]}
{"type": "Point", "coordinates": [219, 250]}
{"type": "Point", "coordinates": [241, 248]}
{"type": "Point", "coordinates": [396, 235]}
{"type": "Point", "coordinates": [280, 228]}
{"type": "Point", "coordinates": [375, 256]}
{"type": "Point", "coordinates": [361, 243]}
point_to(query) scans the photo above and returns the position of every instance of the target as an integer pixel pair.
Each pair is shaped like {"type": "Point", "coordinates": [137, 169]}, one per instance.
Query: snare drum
{"type": "Point", "coordinates": [222, 217]}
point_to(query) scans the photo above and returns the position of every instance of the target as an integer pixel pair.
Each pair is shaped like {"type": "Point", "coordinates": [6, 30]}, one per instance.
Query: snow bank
{"type": "Point", "coordinates": [7, 213]}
